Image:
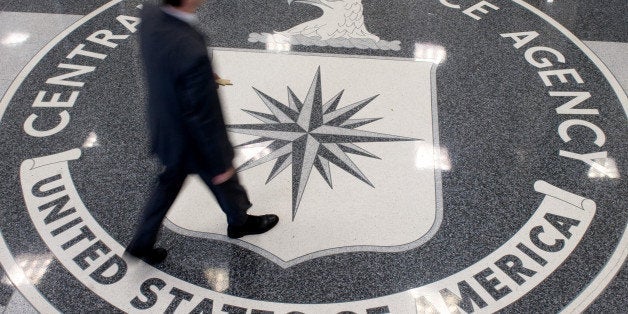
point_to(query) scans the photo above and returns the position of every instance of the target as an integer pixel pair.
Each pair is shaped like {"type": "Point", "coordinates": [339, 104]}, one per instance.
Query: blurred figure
{"type": "Point", "coordinates": [187, 128]}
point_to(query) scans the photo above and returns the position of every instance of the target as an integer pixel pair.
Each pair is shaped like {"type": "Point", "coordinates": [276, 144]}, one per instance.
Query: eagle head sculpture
{"type": "Point", "coordinates": [340, 19]}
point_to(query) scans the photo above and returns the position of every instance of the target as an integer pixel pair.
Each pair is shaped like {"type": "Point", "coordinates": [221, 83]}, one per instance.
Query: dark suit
{"type": "Point", "coordinates": [187, 128]}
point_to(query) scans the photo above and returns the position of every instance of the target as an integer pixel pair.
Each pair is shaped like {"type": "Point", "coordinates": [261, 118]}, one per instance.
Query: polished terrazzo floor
{"type": "Point", "coordinates": [468, 156]}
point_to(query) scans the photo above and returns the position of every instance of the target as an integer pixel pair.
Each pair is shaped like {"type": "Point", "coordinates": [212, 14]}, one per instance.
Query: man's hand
{"type": "Point", "coordinates": [223, 177]}
{"type": "Point", "coordinates": [220, 81]}
{"type": "Point", "coordinates": [223, 82]}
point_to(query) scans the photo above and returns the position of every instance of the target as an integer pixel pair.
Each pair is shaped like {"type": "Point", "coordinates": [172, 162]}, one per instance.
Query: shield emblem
{"type": "Point", "coordinates": [340, 147]}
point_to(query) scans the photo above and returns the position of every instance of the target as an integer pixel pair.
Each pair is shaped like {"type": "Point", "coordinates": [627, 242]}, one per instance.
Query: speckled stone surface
{"type": "Point", "coordinates": [50, 6]}
{"type": "Point", "coordinates": [6, 288]}
{"type": "Point", "coordinates": [595, 21]}
{"type": "Point", "coordinates": [494, 118]}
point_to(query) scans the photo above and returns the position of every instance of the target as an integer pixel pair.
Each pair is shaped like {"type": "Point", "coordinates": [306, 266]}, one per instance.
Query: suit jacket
{"type": "Point", "coordinates": [184, 113]}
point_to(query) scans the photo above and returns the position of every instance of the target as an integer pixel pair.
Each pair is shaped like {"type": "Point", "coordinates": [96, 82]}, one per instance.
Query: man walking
{"type": "Point", "coordinates": [186, 124]}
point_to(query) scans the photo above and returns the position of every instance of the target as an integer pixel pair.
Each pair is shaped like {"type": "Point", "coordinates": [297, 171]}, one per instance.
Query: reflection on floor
{"type": "Point", "coordinates": [26, 28]}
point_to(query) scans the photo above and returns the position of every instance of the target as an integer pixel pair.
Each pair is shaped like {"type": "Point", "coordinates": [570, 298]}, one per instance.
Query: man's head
{"type": "Point", "coordinates": [185, 5]}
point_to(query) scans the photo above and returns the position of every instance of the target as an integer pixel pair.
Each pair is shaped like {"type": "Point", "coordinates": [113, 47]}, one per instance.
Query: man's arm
{"type": "Point", "coordinates": [200, 108]}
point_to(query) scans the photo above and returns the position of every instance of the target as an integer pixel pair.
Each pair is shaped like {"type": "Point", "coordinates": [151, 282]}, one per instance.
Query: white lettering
{"type": "Point", "coordinates": [102, 37]}
{"type": "Point", "coordinates": [480, 8]}
{"type": "Point", "coordinates": [30, 129]}
{"type": "Point", "coordinates": [130, 22]}
{"type": "Point", "coordinates": [54, 102]}
{"type": "Point", "coordinates": [79, 51]}
{"type": "Point", "coordinates": [578, 97]}
{"type": "Point", "coordinates": [561, 74]}
{"type": "Point", "coordinates": [521, 38]}
{"type": "Point", "coordinates": [600, 137]}
{"type": "Point", "coordinates": [544, 63]}
{"type": "Point", "coordinates": [61, 79]}
{"type": "Point", "coordinates": [587, 158]}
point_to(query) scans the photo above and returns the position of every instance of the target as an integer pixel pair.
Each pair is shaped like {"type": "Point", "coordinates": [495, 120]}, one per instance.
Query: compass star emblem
{"type": "Point", "coordinates": [310, 134]}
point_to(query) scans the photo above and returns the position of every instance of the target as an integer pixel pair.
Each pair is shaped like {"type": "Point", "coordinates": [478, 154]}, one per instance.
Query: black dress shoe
{"type": "Point", "coordinates": [253, 225]}
{"type": "Point", "coordinates": [152, 256]}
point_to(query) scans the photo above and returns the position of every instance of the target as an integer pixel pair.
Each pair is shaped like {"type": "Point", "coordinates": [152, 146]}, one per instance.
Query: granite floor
{"type": "Point", "coordinates": [458, 156]}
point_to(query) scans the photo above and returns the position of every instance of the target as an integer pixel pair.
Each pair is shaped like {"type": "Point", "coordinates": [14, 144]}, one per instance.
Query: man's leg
{"type": "Point", "coordinates": [234, 202]}
{"type": "Point", "coordinates": [163, 195]}
{"type": "Point", "coordinates": [231, 197]}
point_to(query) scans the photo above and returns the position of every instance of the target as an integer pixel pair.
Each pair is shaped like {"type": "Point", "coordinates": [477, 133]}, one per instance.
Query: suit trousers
{"type": "Point", "coordinates": [230, 195]}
